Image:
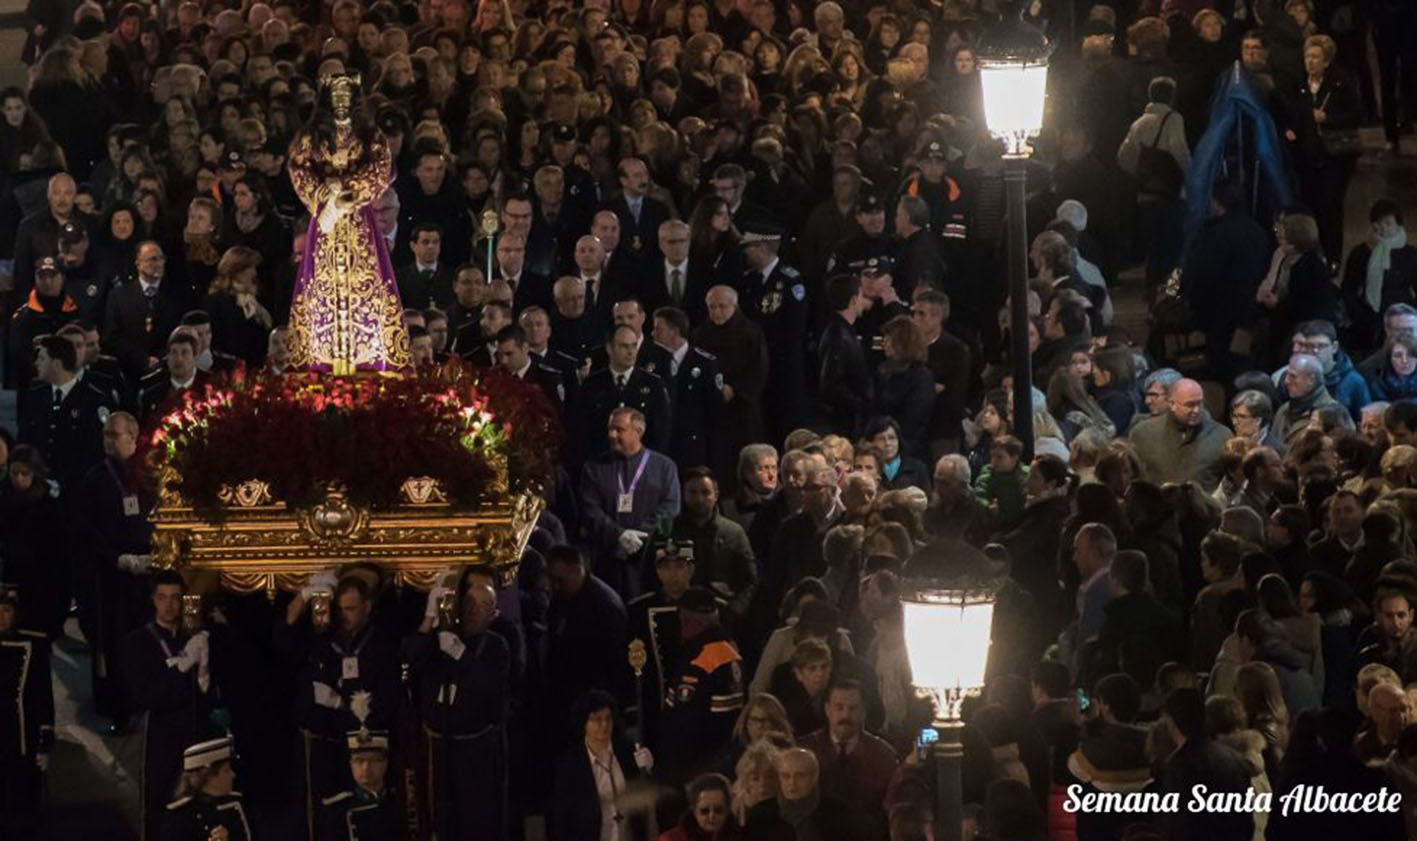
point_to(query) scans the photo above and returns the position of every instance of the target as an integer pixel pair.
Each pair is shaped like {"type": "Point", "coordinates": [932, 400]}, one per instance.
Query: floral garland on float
{"type": "Point", "coordinates": [278, 474]}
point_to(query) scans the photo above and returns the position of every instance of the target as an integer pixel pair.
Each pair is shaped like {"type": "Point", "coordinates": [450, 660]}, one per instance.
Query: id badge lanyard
{"type": "Point", "coordinates": [625, 502]}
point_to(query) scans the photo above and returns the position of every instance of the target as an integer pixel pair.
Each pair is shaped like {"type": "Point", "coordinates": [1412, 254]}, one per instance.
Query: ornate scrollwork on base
{"type": "Point", "coordinates": [266, 547]}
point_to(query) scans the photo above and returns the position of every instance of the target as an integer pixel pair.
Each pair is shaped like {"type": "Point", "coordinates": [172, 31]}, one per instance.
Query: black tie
{"type": "Point", "coordinates": [590, 291]}
{"type": "Point", "coordinates": [58, 399]}
{"type": "Point", "coordinates": [676, 290]}
{"type": "Point", "coordinates": [619, 381]}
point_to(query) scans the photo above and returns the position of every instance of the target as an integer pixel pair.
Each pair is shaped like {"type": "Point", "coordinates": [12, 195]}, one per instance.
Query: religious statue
{"type": "Point", "coordinates": [345, 315]}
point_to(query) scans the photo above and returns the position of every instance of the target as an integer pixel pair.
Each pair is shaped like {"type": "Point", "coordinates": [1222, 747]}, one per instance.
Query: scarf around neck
{"type": "Point", "coordinates": [1379, 261]}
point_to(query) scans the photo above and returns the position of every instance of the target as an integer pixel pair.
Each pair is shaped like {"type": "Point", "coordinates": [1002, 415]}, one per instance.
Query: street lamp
{"type": "Point", "coordinates": [947, 635]}
{"type": "Point", "coordinates": [1013, 72]}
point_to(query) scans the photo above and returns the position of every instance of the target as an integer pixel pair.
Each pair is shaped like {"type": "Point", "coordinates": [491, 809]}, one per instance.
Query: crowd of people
{"type": "Point", "coordinates": [752, 252]}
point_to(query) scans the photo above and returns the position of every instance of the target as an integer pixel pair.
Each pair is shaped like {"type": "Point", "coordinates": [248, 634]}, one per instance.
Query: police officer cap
{"type": "Point", "coordinates": [674, 550]}
{"type": "Point", "coordinates": [869, 203]}
{"type": "Point", "coordinates": [362, 740]}
{"type": "Point", "coordinates": [936, 149]}
{"type": "Point", "coordinates": [759, 231]}
{"type": "Point", "coordinates": [72, 233]}
{"type": "Point", "coordinates": [699, 600]}
{"type": "Point", "coordinates": [233, 160]}
{"type": "Point", "coordinates": [206, 754]}
{"type": "Point", "coordinates": [46, 265]}
{"type": "Point", "coordinates": [875, 263]}
{"type": "Point", "coordinates": [10, 594]}
{"type": "Point", "coordinates": [562, 133]}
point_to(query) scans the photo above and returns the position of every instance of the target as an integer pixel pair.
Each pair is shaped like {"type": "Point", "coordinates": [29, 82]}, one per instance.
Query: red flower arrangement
{"type": "Point", "coordinates": [369, 433]}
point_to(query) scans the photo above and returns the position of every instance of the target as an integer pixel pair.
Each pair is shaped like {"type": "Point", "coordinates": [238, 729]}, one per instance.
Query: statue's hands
{"type": "Point", "coordinates": [344, 201]}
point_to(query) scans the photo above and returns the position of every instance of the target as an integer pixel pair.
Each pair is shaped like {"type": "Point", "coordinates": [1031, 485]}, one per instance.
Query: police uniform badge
{"type": "Point", "coordinates": [799, 291]}
{"type": "Point", "coordinates": [694, 372]}
{"type": "Point", "coordinates": [103, 414]}
{"type": "Point", "coordinates": [92, 290]}
{"type": "Point", "coordinates": [772, 300]}
{"type": "Point", "coordinates": [718, 381]}
{"type": "Point", "coordinates": [644, 389]}
{"type": "Point", "coordinates": [637, 243]}
{"type": "Point", "coordinates": [649, 367]}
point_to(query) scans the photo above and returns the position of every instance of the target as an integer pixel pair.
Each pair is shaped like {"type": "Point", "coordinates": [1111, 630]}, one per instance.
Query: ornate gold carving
{"type": "Point", "coordinates": [333, 521]}
{"type": "Point", "coordinates": [421, 490]}
{"type": "Point", "coordinates": [272, 547]}
{"type": "Point", "coordinates": [248, 494]}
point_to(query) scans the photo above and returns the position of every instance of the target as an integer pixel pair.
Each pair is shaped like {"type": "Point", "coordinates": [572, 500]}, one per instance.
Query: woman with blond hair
{"type": "Point", "coordinates": [1257, 689]}
{"type": "Point", "coordinates": [754, 778]}
{"type": "Point", "coordinates": [1324, 113]}
{"type": "Point", "coordinates": [763, 718]}
{"type": "Point", "coordinates": [239, 323]}
{"type": "Point", "coordinates": [75, 109]}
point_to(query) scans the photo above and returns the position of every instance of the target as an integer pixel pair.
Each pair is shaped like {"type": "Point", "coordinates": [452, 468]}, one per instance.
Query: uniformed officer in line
{"type": "Point", "coordinates": [46, 310]}
{"type": "Point", "coordinates": [695, 387]}
{"type": "Point", "coordinates": [704, 691]}
{"type": "Point", "coordinates": [26, 720]}
{"type": "Point", "coordinates": [461, 671]}
{"type": "Point", "coordinates": [82, 283]}
{"type": "Point", "coordinates": [536, 321]}
{"type": "Point", "coordinates": [514, 357]}
{"type": "Point", "coordinates": [871, 241]}
{"type": "Point", "coordinates": [169, 676]}
{"type": "Point", "coordinates": [775, 296]}
{"type": "Point", "coordinates": [102, 371]}
{"type": "Point", "coordinates": [207, 808]}
{"type": "Point", "coordinates": [369, 811]}
{"type": "Point", "coordinates": [62, 415]}
{"type": "Point", "coordinates": [620, 385]}
{"type": "Point", "coordinates": [878, 288]}
{"type": "Point", "coordinates": [654, 620]}
{"type": "Point", "coordinates": [340, 651]}
{"type": "Point", "coordinates": [650, 358]}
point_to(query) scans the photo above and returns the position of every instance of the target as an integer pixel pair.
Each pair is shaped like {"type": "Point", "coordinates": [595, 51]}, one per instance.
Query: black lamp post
{"type": "Point", "coordinates": [947, 637]}
{"type": "Point", "coordinates": [1013, 71]}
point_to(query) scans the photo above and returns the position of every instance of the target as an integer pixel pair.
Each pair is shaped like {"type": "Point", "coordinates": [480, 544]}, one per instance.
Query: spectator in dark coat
{"type": "Point", "coordinates": [587, 638]}
{"type": "Point", "coordinates": [1034, 544]}
{"type": "Point", "coordinates": [1220, 273]}
{"type": "Point", "coordinates": [240, 324]}
{"type": "Point", "coordinates": [905, 389]}
{"type": "Point", "coordinates": [843, 380]}
{"type": "Point", "coordinates": [1262, 640]}
{"type": "Point", "coordinates": [1138, 632]}
{"type": "Point", "coordinates": [1201, 761]}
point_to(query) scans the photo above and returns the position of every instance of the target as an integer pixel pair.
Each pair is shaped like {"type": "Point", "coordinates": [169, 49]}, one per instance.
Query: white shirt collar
{"type": "Point", "coordinates": [679, 355]}
{"type": "Point", "coordinates": [618, 374]}
{"type": "Point", "coordinates": [183, 385]}
{"type": "Point", "coordinates": [426, 267]}
{"type": "Point", "coordinates": [767, 270]}
{"type": "Point", "coordinates": [65, 389]}
{"type": "Point", "coordinates": [521, 375]}
{"type": "Point", "coordinates": [670, 267]}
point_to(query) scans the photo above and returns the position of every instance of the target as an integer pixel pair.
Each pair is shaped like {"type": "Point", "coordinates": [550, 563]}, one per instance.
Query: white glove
{"type": "Point", "coordinates": [135, 564]}
{"type": "Point", "coordinates": [434, 597]}
{"type": "Point", "coordinates": [327, 697]}
{"type": "Point", "coordinates": [320, 582]}
{"type": "Point", "coordinates": [451, 645]}
{"type": "Point", "coordinates": [42, 760]}
{"type": "Point", "coordinates": [198, 646]}
{"type": "Point", "coordinates": [644, 760]}
{"type": "Point", "coordinates": [631, 541]}
{"type": "Point", "coordinates": [182, 662]}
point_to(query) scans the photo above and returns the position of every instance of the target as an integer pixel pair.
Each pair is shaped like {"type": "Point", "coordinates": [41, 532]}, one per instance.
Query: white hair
{"type": "Point", "coordinates": [1074, 213]}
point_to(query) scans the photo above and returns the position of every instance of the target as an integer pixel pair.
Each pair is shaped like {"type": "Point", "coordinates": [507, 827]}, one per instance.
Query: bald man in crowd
{"type": "Point", "coordinates": [1183, 444]}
